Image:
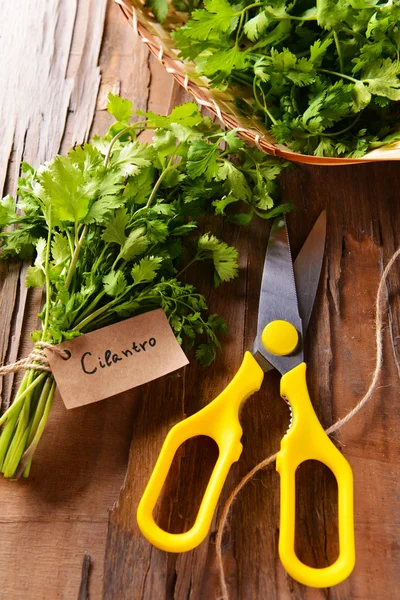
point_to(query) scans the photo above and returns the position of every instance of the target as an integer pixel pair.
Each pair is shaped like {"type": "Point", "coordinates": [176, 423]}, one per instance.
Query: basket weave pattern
{"type": "Point", "coordinates": [160, 43]}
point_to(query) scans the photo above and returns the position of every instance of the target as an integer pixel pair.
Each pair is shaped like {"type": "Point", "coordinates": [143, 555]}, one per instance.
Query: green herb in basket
{"type": "Point", "coordinates": [323, 77]}
{"type": "Point", "coordinates": [107, 225]}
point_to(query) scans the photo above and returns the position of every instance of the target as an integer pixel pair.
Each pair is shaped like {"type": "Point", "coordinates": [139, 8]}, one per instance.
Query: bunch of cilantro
{"type": "Point", "coordinates": [106, 226]}
{"type": "Point", "coordinates": [322, 77]}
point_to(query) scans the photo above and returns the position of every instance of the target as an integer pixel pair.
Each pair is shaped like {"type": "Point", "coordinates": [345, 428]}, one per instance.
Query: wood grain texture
{"type": "Point", "coordinates": [50, 76]}
{"type": "Point", "coordinates": [363, 223]}
{"type": "Point", "coordinates": [62, 60]}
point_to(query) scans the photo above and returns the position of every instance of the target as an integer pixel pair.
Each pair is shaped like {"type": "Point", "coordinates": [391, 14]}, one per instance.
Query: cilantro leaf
{"type": "Point", "coordinates": [136, 243]}
{"type": "Point", "coordinates": [205, 354]}
{"type": "Point", "coordinates": [62, 183]}
{"type": "Point", "coordinates": [114, 283]}
{"type": "Point", "coordinates": [241, 218]}
{"type": "Point", "coordinates": [114, 232]}
{"type": "Point", "coordinates": [382, 77]}
{"type": "Point", "coordinates": [120, 108]}
{"type": "Point", "coordinates": [35, 276]}
{"type": "Point", "coordinates": [331, 13]}
{"type": "Point", "coordinates": [361, 95]}
{"type": "Point", "coordinates": [139, 187]}
{"type": "Point", "coordinates": [300, 71]}
{"type": "Point", "coordinates": [225, 61]}
{"type": "Point", "coordinates": [256, 26]}
{"type": "Point", "coordinates": [218, 17]}
{"type": "Point", "coordinates": [40, 259]}
{"type": "Point", "coordinates": [87, 158]}
{"type": "Point", "coordinates": [223, 256]}
{"type": "Point", "coordinates": [130, 158]}
{"type": "Point", "coordinates": [202, 160]}
{"type": "Point", "coordinates": [221, 204]}
{"type": "Point", "coordinates": [187, 114]}
{"type": "Point", "coordinates": [237, 181]}
{"type": "Point", "coordinates": [184, 229]}
{"type": "Point", "coordinates": [146, 269]}
{"type": "Point", "coordinates": [318, 50]}
{"type": "Point", "coordinates": [233, 141]}
{"type": "Point", "coordinates": [7, 211]}
{"type": "Point", "coordinates": [100, 210]}
{"type": "Point", "coordinates": [60, 249]}
{"type": "Point", "coordinates": [159, 8]}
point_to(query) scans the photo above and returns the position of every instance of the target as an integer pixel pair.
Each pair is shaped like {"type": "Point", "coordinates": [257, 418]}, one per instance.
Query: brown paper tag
{"type": "Point", "coordinates": [116, 358]}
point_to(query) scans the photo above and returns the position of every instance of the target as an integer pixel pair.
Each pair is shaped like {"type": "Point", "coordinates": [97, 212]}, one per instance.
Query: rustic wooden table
{"type": "Point", "coordinates": [59, 61]}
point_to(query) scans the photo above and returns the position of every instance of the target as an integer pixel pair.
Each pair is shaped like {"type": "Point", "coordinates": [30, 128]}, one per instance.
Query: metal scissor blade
{"type": "Point", "coordinates": [278, 297]}
{"type": "Point", "coordinates": [307, 268]}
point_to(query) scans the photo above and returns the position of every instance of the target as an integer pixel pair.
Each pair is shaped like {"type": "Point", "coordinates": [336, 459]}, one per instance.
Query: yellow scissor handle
{"type": "Point", "coordinates": [219, 420]}
{"type": "Point", "coordinates": [306, 440]}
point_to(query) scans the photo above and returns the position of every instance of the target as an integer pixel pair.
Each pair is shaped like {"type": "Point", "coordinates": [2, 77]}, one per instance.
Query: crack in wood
{"type": "Point", "coordinates": [84, 587]}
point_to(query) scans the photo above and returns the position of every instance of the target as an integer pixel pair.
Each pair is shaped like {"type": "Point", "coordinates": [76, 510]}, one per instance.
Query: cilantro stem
{"type": "Point", "coordinates": [47, 281]}
{"type": "Point", "coordinates": [339, 75]}
{"type": "Point", "coordinates": [138, 125]}
{"type": "Point", "coordinates": [189, 264]}
{"type": "Point", "coordinates": [337, 43]}
{"type": "Point", "coordinates": [239, 30]}
{"type": "Point", "coordinates": [287, 17]}
{"type": "Point", "coordinates": [91, 317]}
{"type": "Point", "coordinates": [170, 167]}
{"type": "Point", "coordinates": [27, 455]}
{"type": "Point", "coordinates": [15, 405]}
{"type": "Point", "coordinates": [100, 258]}
{"type": "Point", "coordinates": [92, 305]}
{"type": "Point", "coordinates": [342, 130]}
{"type": "Point", "coordinates": [12, 459]}
{"type": "Point", "coordinates": [116, 261]}
{"type": "Point", "coordinates": [355, 34]}
{"type": "Point", "coordinates": [100, 322]}
{"type": "Point", "coordinates": [70, 242]}
{"type": "Point", "coordinates": [9, 427]}
{"type": "Point", "coordinates": [261, 106]}
{"type": "Point", "coordinates": [186, 305]}
{"type": "Point", "coordinates": [110, 147]}
{"type": "Point", "coordinates": [97, 313]}
{"type": "Point", "coordinates": [88, 310]}
{"type": "Point", "coordinates": [103, 309]}
{"type": "Point", "coordinates": [242, 78]}
{"type": "Point", "coordinates": [249, 7]}
{"type": "Point", "coordinates": [293, 18]}
{"type": "Point", "coordinates": [75, 257]}
{"type": "Point", "coordinates": [40, 408]}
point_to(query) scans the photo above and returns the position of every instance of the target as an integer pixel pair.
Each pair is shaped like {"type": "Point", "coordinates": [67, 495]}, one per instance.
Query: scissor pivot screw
{"type": "Point", "coordinates": [280, 337]}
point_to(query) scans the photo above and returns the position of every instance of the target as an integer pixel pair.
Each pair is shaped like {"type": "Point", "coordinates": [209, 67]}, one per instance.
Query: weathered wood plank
{"type": "Point", "coordinates": [362, 228]}
{"type": "Point", "coordinates": [50, 76]}
{"type": "Point", "coordinates": [30, 129]}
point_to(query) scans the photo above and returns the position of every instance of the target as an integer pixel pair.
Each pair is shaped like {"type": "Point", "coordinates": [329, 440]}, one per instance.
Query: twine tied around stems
{"type": "Point", "coordinates": [379, 317]}
{"type": "Point", "coordinates": [37, 359]}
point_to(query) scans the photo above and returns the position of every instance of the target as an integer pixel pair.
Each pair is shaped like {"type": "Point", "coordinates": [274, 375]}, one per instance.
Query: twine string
{"type": "Point", "coordinates": [37, 359]}
{"type": "Point", "coordinates": [379, 318]}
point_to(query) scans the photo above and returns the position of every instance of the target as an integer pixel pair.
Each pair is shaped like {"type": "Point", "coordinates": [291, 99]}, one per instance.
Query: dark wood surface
{"type": "Point", "coordinates": [57, 81]}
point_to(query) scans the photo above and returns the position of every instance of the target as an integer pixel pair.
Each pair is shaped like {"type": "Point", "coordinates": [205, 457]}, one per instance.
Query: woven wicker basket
{"type": "Point", "coordinates": [160, 43]}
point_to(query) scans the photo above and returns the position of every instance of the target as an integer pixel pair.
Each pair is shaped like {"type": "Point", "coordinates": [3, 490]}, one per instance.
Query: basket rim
{"type": "Point", "coordinates": [214, 100]}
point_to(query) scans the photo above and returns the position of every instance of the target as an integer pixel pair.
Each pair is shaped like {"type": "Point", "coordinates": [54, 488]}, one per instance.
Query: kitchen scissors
{"type": "Point", "coordinates": [286, 299]}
